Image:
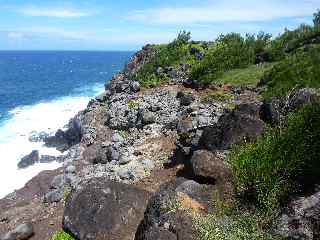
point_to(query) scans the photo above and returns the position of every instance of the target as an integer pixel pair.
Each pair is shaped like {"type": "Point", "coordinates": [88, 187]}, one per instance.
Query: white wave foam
{"type": "Point", "coordinates": [14, 133]}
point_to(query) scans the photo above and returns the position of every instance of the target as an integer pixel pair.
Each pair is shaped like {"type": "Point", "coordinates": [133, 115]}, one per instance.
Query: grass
{"type": "Point", "coordinates": [62, 235]}
{"type": "Point", "coordinates": [244, 76]}
{"type": "Point", "coordinates": [234, 226]}
{"type": "Point", "coordinates": [220, 96]}
{"type": "Point", "coordinates": [282, 162]}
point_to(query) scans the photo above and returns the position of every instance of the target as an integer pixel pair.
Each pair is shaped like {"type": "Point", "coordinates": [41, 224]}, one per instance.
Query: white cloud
{"type": "Point", "coordinates": [54, 12]}
{"type": "Point", "coordinates": [15, 35]}
{"type": "Point", "coordinates": [232, 10]}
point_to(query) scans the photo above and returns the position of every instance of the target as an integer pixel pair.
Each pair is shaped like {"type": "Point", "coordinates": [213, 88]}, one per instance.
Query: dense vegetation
{"type": "Point", "coordinates": [281, 162]}
{"type": "Point", "coordinates": [301, 69]}
{"type": "Point", "coordinates": [232, 59]}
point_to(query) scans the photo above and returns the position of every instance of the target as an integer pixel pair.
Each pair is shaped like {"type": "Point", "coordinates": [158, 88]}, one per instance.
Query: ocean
{"type": "Point", "coordinates": [41, 91]}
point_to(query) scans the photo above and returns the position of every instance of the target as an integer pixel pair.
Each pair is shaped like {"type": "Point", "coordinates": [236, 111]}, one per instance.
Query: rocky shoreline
{"type": "Point", "coordinates": [134, 155]}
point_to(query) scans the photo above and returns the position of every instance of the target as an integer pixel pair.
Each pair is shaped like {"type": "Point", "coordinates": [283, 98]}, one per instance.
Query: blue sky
{"type": "Point", "coordinates": [129, 24]}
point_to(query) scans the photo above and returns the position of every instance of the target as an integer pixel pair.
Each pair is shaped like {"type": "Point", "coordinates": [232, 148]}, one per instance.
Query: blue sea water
{"type": "Point", "coordinates": [28, 77]}
{"type": "Point", "coordinates": [41, 91]}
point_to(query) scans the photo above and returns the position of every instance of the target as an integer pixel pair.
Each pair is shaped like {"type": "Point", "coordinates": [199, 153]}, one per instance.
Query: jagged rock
{"type": "Point", "coordinates": [163, 218]}
{"type": "Point", "coordinates": [29, 159]}
{"type": "Point", "coordinates": [147, 117]}
{"type": "Point", "coordinates": [302, 219]}
{"type": "Point", "coordinates": [55, 195]}
{"type": "Point", "coordinates": [234, 127]}
{"type": "Point", "coordinates": [278, 108]}
{"type": "Point", "coordinates": [104, 210]}
{"type": "Point", "coordinates": [57, 182]}
{"type": "Point", "coordinates": [21, 232]}
{"type": "Point", "coordinates": [63, 140]}
{"type": "Point", "coordinates": [210, 165]}
{"type": "Point", "coordinates": [185, 98]}
{"type": "Point", "coordinates": [135, 86]}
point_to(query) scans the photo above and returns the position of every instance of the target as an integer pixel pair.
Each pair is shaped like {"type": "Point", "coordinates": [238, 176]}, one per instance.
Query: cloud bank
{"type": "Point", "coordinates": [222, 11]}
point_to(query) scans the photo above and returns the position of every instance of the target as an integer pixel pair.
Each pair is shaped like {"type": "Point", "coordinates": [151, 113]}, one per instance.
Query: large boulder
{"type": "Point", "coordinates": [211, 165]}
{"type": "Point", "coordinates": [21, 232]}
{"type": "Point", "coordinates": [29, 159]}
{"type": "Point", "coordinates": [237, 126]}
{"type": "Point", "coordinates": [168, 213]}
{"type": "Point", "coordinates": [101, 209]}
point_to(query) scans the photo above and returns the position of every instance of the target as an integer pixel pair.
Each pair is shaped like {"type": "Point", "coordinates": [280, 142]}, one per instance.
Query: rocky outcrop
{"type": "Point", "coordinates": [211, 165]}
{"type": "Point", "coordinates": [169, 212]}
{"type": "Point", "coordinates": [63, 140]}
{"type": "Point", "coordinates": [237, 126]}
{"type": "Point", "coordinates": [29, 159]}
{"type": "Point", "coordinates": [276, 110]}
{"type": "Point", "coordinates": [101, 209]}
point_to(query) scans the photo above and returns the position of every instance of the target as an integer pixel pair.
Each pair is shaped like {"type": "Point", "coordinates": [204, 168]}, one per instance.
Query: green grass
{"type": "Point", "coordinates": [283, 161]}
{"type": "Point", "coordinates": [62, 235]}
{"type": "Point", "coordinates": [249, 76]}
{"type": "Point", "coordinates": [217, 96]}
{"type": "Point", "coordinates": [237, 225]}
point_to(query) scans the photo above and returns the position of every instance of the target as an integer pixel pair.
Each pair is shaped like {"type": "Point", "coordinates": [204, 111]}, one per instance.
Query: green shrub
{"type": "Point", "coordinates": [302, 69]}
{"type": "Point", "coordinates": [62, 235]}
{"type": "Point", "coordinates": [283, 161]}
{"type": "Point", "coordinates": [174, 54]}
{"type": "Point", "coordinates": [229, 52]}
{"type": "Point", "coordinates": [132, 104]}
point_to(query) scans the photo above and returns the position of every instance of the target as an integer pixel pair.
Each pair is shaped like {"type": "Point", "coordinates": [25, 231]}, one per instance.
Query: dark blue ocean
{"type": "Point", "coordinates": [28, 77]}
{"type": "Point", "coordinates": [39, 92]}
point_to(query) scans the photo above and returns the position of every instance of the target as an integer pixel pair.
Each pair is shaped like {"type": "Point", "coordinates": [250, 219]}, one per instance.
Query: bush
{"type": "Point", "coordinates": [62, 235]}
{"type": "Point", "coordinates": [229, 52]}
{"type": "Point", "coordinates": [302, 69]}
{"type": "Point", "coordinates": [283, 161]}
{"type": "Point", "coordinates": [173, 55]}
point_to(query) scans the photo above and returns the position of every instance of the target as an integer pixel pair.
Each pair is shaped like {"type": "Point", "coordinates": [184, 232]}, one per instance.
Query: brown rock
{"type": "Point", "coordinates": [102, 209]}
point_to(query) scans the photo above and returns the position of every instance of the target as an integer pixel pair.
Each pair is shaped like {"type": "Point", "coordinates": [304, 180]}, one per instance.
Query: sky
{"type": "Point", "coordinates": [130, 24]}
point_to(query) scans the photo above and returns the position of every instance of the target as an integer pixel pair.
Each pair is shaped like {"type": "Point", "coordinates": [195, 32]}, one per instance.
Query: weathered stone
{"type": "Point", "coordinates": [135, 86]}
{"type": "Point", "coordinates": [234, 127]}
{"type": "Point", "coordinates": [147, 117]}
{"type": "Point", "coordinates": [53, 196]}
{"type": "Point", "coordinates": [104, 210]}
{"type": "Point", "coordinates": [210, 165]}
{"type": "Point", "coordinates": [21, 232]}
{"type": "Point", "coordinates": [57, 182]}
{"type": "Point", "coordinates": [301, 219]}
{"type": "Point", "coordinates": [29, 159]}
